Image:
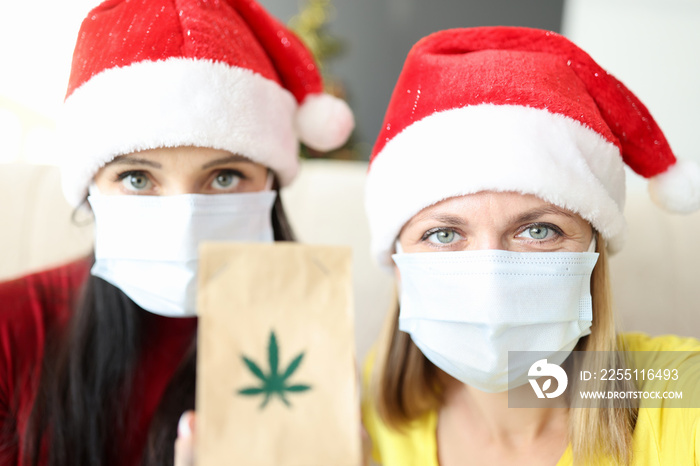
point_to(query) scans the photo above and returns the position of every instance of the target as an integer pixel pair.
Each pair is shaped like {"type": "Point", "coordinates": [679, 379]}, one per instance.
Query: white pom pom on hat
{"type": "Point", "coordinates": [324, 122]}
{"type": "Point", "coordinates": [678, 188]}
{"type": "Point", "coordinates": [222, 74]}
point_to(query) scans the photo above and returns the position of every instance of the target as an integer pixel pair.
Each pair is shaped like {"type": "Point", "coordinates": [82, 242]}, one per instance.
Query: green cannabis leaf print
{"type": "Point", "coordinates": [274, 383]}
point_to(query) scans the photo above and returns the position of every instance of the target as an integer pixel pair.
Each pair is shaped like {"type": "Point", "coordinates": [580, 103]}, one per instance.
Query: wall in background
{"type": "Point", "coordinates": [652, 46]}
{"type": "Point", "coordinates": [37, 44]}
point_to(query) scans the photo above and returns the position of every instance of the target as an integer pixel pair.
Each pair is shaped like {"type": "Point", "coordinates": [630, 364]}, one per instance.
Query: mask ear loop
{"type": "Point", "coordinates": [93, 190]}
{"type": "Point", "coordinates": [270, 180]}
{"type": "Point", "coordinates": [592, 246]}
{"type": "Point", "coordinates": [399, 250]}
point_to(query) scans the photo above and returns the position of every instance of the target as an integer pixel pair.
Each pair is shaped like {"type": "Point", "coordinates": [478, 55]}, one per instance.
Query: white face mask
{"type": "Point", "coordinates": [465, 310]}
{"type": "Point", "coordinates": [147, 246]}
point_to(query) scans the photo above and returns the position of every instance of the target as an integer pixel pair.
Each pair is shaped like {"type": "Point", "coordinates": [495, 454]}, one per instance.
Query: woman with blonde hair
{"type": "Point", "coordinates": [497, 187]}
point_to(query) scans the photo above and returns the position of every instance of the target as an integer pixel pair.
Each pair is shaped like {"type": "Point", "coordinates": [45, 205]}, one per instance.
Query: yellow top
{"type": "Point", "coordinates": [662, 436]}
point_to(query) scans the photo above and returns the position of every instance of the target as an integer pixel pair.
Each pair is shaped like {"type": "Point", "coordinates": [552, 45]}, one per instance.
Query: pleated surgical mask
{"type": "Point", "coordinates": [465, 310]}
{"type": "Point", "coordinates": [147, 246]}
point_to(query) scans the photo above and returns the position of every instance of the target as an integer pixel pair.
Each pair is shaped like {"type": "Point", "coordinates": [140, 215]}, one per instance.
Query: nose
{"type": "Point", "coordinates": [179, 185]}
{"type": "Point", "coordinates": [486, 240]}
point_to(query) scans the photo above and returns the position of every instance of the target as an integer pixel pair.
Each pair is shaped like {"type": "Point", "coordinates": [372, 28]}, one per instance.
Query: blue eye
{"type": "Point", "coordinates": [226, 180]}
{"type": "Point", "coordinates": [135, 181]}
{"type": "Point", "coordinates": [539, 232]}
{"type": "Point", "coordinates": [444, 236]}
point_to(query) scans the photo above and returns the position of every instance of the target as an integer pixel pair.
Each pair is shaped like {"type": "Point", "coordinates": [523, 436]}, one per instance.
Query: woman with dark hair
{"type": "Point", "coordinates": [182, 121]}
{"type": "Point", "coordinates": [495, 193]}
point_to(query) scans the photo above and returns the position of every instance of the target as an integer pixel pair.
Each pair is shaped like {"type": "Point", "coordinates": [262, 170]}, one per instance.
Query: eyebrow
{"type": "Point", "coordinates": [227, 159]}
{"type": "Point", "coordinates": [445, 219]}
{"type": "Point", "coordinates": [134, 161]}
{"type": "Point", "coordinates": [451, 220]}
{"type": "Point", "coordinates": [534, 214]}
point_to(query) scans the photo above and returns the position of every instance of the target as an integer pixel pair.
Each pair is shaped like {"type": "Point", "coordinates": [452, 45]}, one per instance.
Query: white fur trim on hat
{"type": "Point", "coordinates": [176, 102]}
{"type": "Point", "coordinates": [495, 148]}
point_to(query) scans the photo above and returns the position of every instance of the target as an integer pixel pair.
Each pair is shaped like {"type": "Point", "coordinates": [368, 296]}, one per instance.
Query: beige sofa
{"type": "Point", "coordinates": [655, 278]}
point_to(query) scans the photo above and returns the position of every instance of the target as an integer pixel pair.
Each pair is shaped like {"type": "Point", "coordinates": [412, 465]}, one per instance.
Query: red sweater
{"type": "Point", "coordinates": [34, 305]}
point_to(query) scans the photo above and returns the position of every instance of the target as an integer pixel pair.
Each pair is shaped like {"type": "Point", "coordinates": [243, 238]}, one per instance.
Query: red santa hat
{"type": "Point", "coordinates": [222, 74]}
{"type": "Point", "coordinates": [516, 109]}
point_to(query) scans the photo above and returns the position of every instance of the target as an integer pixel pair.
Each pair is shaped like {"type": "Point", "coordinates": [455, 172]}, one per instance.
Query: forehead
{"type": "Point", "coordinates": [174, 153]}
{"type": "Point", "coordinates": [493, 205]}
{"type": "Point", "coordinates": [177, 158]}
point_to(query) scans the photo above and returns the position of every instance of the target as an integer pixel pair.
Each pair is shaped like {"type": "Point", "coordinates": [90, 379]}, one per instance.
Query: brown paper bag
{"type": "Point", "coordinates": [276, 377]}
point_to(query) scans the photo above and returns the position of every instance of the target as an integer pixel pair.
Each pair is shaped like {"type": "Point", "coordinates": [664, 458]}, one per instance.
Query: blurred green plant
{"type": "Point", "coordinates": [311, 24]}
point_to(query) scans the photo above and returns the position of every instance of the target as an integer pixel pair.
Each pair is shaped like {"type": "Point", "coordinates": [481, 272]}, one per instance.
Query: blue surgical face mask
{"type": "Point", "coordinates": [147, 246]}
{"type": "Point", "coordinates": [465, 310]}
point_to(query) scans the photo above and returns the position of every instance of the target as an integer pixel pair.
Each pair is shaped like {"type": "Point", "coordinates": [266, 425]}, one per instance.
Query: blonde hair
{"type": "Point", "coordinates": [405, 384]}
